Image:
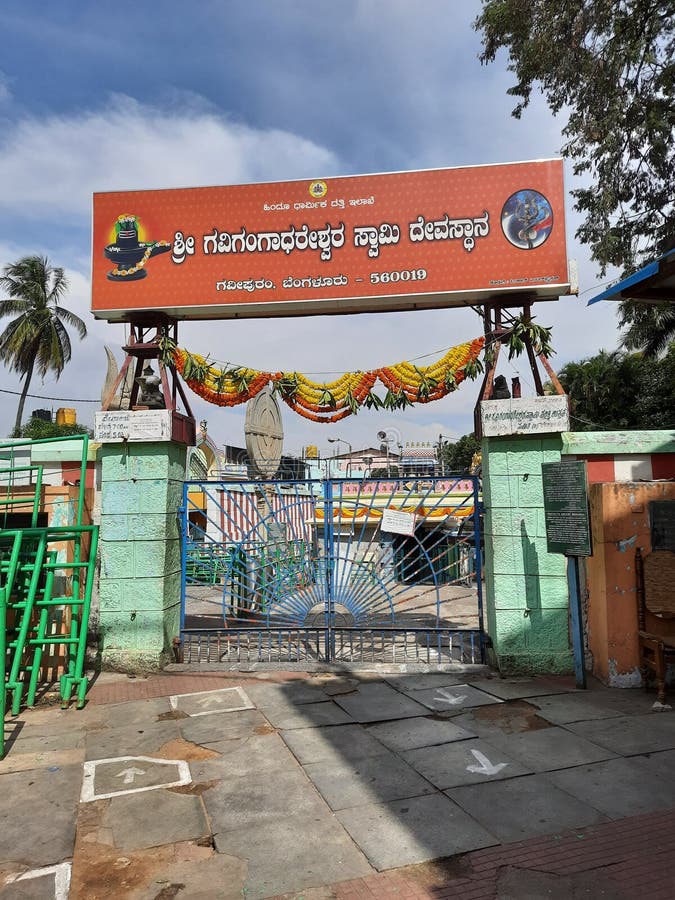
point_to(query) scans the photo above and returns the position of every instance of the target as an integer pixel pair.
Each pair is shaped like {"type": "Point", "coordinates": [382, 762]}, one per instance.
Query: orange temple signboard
{"type": "Point", "coordinates": [367, 243]}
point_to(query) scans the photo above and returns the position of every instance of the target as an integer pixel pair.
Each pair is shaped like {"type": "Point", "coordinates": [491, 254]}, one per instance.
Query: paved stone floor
{"type": "Point", "coordinates": [340, 785]}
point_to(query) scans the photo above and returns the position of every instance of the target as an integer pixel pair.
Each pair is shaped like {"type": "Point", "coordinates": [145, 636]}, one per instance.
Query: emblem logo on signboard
{"type": "Point", "coordinates": [128, 252]}
{"type": "Point", "coordinates": [318, 189]}
{"type": "Point", "coordinates": [527, 219]}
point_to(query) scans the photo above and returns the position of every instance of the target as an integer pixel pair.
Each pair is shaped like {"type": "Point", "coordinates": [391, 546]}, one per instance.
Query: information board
{"type": "Point", "coordinates": [568, 527]}
{"type": "Point", "coordinates": [398, 522]}
{"type": "Point", "coordinates": [362, 243]}
{"type": "Point", "coordinates": [532, 415]}
{"type": "Point", "coordinates": [119, 426]}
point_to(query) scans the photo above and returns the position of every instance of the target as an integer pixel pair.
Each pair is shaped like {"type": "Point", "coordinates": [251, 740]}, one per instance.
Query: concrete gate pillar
{"type": "Point", "coordinates": [139, 586]}
{"type": "Point", "coordinates": [526, 587]}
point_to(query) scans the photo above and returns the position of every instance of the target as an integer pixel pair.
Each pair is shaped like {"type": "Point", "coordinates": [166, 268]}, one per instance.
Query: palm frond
{"type": "Point", "coordinates": [70, 318]}
{"type": "Point", "coordinates": [14, 307]}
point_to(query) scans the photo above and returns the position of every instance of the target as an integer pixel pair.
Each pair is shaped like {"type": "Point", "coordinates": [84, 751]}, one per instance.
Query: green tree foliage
{"type": "Point", "coordinates": [621, 391]}
{"type": "Point", "coordinates": [650, 326]}
{"type": "Point", "coordinates": [36, 337]}
{"type": "Point", "coordinates": [457, 457]}
{"type": "Point", "coordinates": [609, 66]}
{"type": "Point", "coordinates": [37, 429]}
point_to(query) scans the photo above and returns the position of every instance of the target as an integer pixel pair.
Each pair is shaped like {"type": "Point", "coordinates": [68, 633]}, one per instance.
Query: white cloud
{"type": "Point", "coordinates": [50, 167]}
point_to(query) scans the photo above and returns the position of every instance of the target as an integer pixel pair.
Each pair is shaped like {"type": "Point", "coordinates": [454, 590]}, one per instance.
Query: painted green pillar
{"type": "Point", "coordinates": [526, 587]}
{"type": "Point", "coordinates": [139, 586]}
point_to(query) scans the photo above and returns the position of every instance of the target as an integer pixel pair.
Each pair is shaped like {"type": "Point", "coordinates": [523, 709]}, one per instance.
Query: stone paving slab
{"type": "Point", "coordinates": [208, 730]}
{"type": "Point", "coordinates": [618, 787]}
{"type": "Point", "coordinates": [56, 719]}
{"type": "Point", "coordinates": [455, 698]}
{"type": "Point", "coordinates": [123, 715]}
{"type": "Point", "coordinates": [564, 709]}
{"type": "Point", "coordinates": [40, 740]}
{"type": "Point", "coordinates": [371, 780]}
{"type": "Point", "coordinates": [518, 688]}
{"type": "Point", "coordinates": [408, 734]}
{"type": "Point", "coordinates": [412, 831]}
{"type": "Point", "coordinates": [308, 715]}
{"type": "Point", "coordinates": [291, 693]}
{"type": "Point", "coordinates": [37, 815]}
{"type": "Point", "coordinates": [627, 701]}
{"type": "Point", "coordinates": [336, 684]}
{"type": "Point", "coordinates": [23, 762]}
{"type": "Point", "coordinates": [408, 684]}
{"type": "Point", "coordinates": [40, 888]}
{"type": "Point", "coordinates": [136, 823]}
{"type": "Point", "coordinates": [337, 743]}
{"type": "Point", "coordinates": [38, 884]}
{"type": "Point", "coordinates": [142, 739]}
{"type": "Point", "coordinates": [305, 851]}
{"type": "Point", "coordinates": [524, 807]}
{"type": "Point", "coordinates": [549, 748]}
{"type": "Point", "coordinates": [244, 758]}
{"type": "Point", "coordinates": [262, 797]}
{"type": "Point", "coordinates": [128, 775]}
{"type": "Point", "coordinates": [208, 703]}
{"type": "Point", "coordinates": [377, 703]}
{"type": "Point", "coordinates": [661, 763]}
{"type": "Point", "coordinates": [466, 762]}
{"type": "Point", "coordinates": [631, 735]}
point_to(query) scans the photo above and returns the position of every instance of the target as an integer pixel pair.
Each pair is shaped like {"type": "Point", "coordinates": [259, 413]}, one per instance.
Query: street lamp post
{"type": "Point", "coordinates": [443, 441]}
{"type": "Point", "coordinates": [386, 440]}
{"type": "Point", "coordinates": [347, 444]}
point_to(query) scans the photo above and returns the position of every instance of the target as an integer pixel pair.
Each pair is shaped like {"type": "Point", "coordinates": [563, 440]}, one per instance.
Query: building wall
{"type": "Point", "coordinates": [623, 455]}
{"type": "Point", "coordinates": [623, 471]}
{"type": "Point", "coordinates": [620, 523]}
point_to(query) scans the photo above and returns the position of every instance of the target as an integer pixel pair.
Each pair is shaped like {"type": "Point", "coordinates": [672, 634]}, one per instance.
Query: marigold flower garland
{"type": "Point", "coordinates": [334, 400]}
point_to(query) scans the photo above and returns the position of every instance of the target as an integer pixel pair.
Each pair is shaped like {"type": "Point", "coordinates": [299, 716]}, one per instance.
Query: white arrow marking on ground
{"type": "Point", "coordinates": [445, 697]}
{"type": "Point", "coordinates": [209, 701]}
{"type": "Point", "coordinates": [485, 767]}
{"type": "Point", "coordinates": [129, 774]}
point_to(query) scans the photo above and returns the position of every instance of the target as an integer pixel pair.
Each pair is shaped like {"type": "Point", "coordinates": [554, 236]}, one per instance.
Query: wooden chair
{"type": "Point", "coordinates": [655, 574]}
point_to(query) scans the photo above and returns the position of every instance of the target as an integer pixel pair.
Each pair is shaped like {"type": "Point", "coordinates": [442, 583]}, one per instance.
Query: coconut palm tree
{"type": "Point", "coordinates": [36, 338]}
{"type": "Point", "coordinates": [651, 327]}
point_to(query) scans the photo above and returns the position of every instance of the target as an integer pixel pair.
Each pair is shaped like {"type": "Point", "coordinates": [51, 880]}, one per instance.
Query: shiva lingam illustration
{"type": "Point", "coordinates": [129, 253]}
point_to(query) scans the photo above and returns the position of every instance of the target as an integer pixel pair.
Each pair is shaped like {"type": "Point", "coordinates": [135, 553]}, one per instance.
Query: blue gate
{"type": "Point", "coordinates": [344, 570]}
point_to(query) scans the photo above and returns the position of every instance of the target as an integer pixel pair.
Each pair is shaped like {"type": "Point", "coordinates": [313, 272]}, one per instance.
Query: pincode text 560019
{"type": "Point", "coordinates": [393, 277]}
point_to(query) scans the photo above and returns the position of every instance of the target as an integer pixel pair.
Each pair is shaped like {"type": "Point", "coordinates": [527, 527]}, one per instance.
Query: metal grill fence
{"type": "Point", "coordinates": [344, 570]}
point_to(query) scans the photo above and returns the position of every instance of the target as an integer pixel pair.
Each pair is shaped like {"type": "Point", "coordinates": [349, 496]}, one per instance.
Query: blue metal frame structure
{"type": "Point", "coordinates": [291, 571]}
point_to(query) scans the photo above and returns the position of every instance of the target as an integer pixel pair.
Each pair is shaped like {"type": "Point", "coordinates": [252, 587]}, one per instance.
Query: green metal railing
{"type": "Point", "coordinates": [46, 582]}
{"type": "Point", "coordinates": [9, 502]}
{"type": "Point", "coordinates": [3, 664]}
{"type": "Point", "coordinates": [37, 607]}
{"type": "Point", "coordinates": [7, 455]}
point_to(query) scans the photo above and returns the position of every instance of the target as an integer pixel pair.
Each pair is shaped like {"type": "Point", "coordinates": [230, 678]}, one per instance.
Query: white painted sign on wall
{"type": "Point", "coordinates": [532, 415]}
{"type": "Point", "coordinates": [132, 425]}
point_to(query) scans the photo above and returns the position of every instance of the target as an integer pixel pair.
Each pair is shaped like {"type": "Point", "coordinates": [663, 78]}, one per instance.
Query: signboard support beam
{"type": "Point", "coordinates": [146, 332]}
{"type": "Point", "coordinates": [576, 619]}
{"type": "Point", "coordinates": [497, 334]}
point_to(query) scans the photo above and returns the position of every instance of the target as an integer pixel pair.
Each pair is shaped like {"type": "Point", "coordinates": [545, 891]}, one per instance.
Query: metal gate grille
{"type": "Point", "coordinates": [343, 570]}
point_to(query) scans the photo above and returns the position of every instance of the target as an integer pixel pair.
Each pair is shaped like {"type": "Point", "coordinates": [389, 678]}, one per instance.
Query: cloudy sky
{"type": "Point", "coordinates": [95, 97]}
